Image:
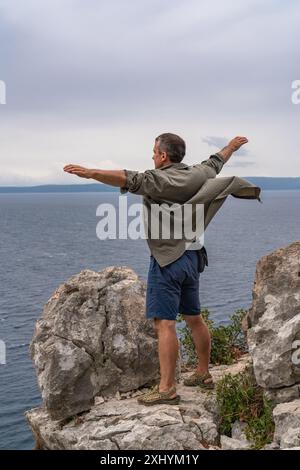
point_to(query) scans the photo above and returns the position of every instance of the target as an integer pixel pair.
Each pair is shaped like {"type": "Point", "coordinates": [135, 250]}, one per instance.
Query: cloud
{"type": "Point", "coordinates": [221, 142]}
{"type": "Point", "coordinates": [240, 164]}
{"type": "Point", "coordinates": [95, 77]}
{"type": "Point", "coordinates": [104, 57]}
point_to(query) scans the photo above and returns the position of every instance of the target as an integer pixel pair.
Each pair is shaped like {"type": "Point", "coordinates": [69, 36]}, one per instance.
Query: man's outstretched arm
{"type": "Point", "coordinates": [232, 147]}
{"type": "Point", "coordinates": [142, 183]}
{"type": "Point", "coordinates": [111, 177]}
{"type": "Point", "coordinates": [217, 160]}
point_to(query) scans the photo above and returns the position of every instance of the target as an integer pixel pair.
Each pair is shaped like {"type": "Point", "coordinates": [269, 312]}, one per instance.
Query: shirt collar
{"type": "Point", "coordinates": [174, 164]}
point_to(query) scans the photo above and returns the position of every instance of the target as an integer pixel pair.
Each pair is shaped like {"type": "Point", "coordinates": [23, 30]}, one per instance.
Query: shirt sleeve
{"type": "Point", "coordinates": [145, 183]}
{"type": "Point", "coordinates": [215, 162]}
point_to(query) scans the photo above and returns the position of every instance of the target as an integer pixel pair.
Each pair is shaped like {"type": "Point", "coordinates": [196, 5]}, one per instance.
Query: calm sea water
{"type": "Point", "coordinates": [46, 238]}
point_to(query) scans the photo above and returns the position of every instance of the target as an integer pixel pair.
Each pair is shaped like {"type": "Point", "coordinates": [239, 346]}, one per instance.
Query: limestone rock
{"type": "Point", "coordinates": [238, 439]}
{"type": "Point", "coordinates": [274, 319]}
{"type": "Point", "coordinates": [124, 424]}
{"type": "Point", "coordinates": [99, 400]}
{"type": "Point", "coordinates": [93, 339]}
{"type": "Point", "coordinates": [272, 446]}
{"type": "Point", "coordinates": [291, 438]}
{"type": "Point", "coordinates": [238, 431]}
{"type": "Point", "coordinates": [228, 443]}
{"type": "Point", "coordinates": [127, 425]}
{"type": "Point", "coordinates": [283, 395]}
{"type": "Point", "coordinates": [287, 424]}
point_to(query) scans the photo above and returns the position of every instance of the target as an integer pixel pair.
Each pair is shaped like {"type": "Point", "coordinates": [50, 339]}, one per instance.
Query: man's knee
{"type": "Point", "coordinates": [163, 325]}
{"type": "Point", "coordinates": [193, 320]}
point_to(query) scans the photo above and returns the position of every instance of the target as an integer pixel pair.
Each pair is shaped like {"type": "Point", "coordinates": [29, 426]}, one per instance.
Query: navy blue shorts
{"type": "Point", "coordinates": [174, 288]}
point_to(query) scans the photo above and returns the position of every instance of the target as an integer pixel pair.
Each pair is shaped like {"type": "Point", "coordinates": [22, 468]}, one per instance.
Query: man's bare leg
{"type": "Point", "coordinates": [168, 353]}
{"type": "Point", "coordinates": [202, 341]}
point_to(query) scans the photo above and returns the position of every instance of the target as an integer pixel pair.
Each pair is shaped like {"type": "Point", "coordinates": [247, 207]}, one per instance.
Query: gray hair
{"type": "Point", "coordinates": [173, 145]}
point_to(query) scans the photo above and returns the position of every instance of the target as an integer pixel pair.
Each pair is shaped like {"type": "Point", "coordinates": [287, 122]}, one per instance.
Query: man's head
{"type": "Point", "coordinates": [168, 148]}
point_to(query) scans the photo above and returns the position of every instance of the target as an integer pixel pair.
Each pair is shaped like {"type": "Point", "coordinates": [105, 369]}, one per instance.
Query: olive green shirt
{"type": "Point", "coordinates": [184, 184]}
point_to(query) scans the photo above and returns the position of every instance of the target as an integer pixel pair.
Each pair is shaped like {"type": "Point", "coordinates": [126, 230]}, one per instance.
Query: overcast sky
{"type": "Point", "coordinates": [94, 82]}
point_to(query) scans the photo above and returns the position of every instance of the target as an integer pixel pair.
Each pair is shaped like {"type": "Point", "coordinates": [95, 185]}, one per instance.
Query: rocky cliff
{"type": "Point", "coordinates": [94, 352]}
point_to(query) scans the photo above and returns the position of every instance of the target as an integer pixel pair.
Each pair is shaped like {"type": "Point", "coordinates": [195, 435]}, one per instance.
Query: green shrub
{"type": "Point", "coordinates": [228, 341]}
{"type": "Point", "coordinates": [240, 398]}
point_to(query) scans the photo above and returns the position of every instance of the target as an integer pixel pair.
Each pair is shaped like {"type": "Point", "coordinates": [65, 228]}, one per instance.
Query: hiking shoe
{"type": "Point", "coordinates": [155, 397]}
{"type": "Point", "coordinates": [197, 379]}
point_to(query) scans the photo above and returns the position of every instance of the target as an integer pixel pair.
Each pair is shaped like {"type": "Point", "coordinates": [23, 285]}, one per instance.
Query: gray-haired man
{"type": "Point", "coordinates": [173, 278]}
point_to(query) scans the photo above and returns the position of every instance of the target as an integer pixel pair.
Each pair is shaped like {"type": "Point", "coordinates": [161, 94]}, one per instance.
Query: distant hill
{"type": "Point", "coordinates": [59, 188]}
{"type": "Point", "coordinates": [264, 182]}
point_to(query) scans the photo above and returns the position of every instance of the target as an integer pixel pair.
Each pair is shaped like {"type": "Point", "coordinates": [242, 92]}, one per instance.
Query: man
{"type": "Point", "coordinates": [173, 277]}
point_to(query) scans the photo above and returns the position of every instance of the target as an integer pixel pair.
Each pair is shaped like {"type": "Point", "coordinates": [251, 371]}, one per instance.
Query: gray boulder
{"type": "Point", "coordinates": [274, 319]}
{"type": "Point", "coordinates": [238, 431]}
{"type": "Point", "coordinates": [291, 438]}
{"type": "Point", "coordinates": [287, 424]}
{"type": "Point", "coordinates": [93, 339]}
{"type": "Point", "coordinates": [283, 395]}
{"type": "Point", "coordinates": [228, 443]}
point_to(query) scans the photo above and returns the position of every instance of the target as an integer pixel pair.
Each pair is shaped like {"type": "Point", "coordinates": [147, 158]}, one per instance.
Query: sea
{"type": "Point", "coordinates": [46, 238]}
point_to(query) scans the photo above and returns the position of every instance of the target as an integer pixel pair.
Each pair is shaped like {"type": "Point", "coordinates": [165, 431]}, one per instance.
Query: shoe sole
{"type": "Point", "coordinates": [201, 385]}
{"type": "Point", "coordinates": [174, 401]}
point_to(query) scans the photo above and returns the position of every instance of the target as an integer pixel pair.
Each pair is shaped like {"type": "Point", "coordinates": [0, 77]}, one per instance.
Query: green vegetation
{"type": "Point", "coordinates": [240, 398]}
{"type": "Point", "coordinates": [228, 341]}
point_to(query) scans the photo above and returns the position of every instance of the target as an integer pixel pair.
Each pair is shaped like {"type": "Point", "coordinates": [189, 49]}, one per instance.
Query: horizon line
{"type": "Point", "coordinates": [106, 185]}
